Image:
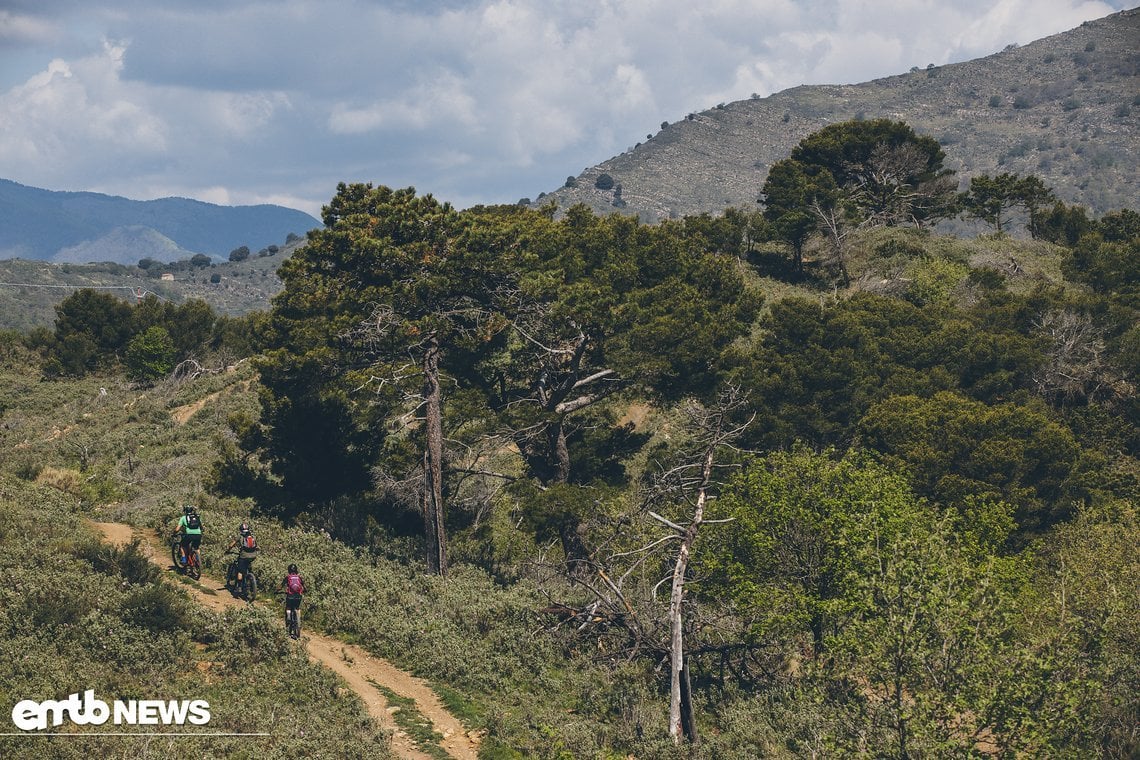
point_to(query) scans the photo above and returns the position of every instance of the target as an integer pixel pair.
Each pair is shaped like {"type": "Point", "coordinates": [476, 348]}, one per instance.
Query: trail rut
{"type": "Point", "coordinates": [354, 665]}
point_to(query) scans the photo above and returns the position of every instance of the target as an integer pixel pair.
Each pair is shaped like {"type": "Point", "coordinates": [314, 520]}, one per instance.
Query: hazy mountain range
{"type": "Point", "coordinates": [84, 227]}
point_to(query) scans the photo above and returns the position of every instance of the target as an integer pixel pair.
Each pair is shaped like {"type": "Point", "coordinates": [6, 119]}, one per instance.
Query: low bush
{"type": "Point", "coordinates": [129, 561]}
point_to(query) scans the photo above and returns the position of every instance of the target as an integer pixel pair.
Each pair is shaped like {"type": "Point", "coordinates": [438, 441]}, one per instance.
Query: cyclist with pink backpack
{"type": "Point", "coordinates": [294, 587]}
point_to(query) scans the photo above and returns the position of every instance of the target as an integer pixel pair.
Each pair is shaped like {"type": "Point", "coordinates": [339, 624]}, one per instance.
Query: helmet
{"type": "Point", "coordinates": [187, 509]}
{"type": "Point", "coordinates": [293, 568]}
{"type": "Point", "coordinates": [244, 529]}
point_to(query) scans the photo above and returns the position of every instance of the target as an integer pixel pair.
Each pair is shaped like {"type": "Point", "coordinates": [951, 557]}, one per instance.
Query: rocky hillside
{"type": "Point", "coordinates": [1064, 108]}
{"type": "Point", "coordinates": [30, 290]}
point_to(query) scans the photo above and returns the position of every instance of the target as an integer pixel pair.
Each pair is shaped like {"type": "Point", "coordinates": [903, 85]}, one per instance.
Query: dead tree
{"type": "Point", "coordinates": [617, 579]}
{"type": "Point", "coordinates": [714, 433]}
{"type": "Point", "coordinates": [432, 494]}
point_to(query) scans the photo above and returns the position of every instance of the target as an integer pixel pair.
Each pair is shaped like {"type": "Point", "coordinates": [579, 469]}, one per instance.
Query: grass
{"type": "Point", "coordinates": [413, 723]}
{"type": "Point", "coordinates": [466, 711]}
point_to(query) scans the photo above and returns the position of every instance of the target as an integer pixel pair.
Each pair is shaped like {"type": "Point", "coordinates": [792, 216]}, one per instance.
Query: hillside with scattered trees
{"type": "Point", "coordinates": [1063, 108]}
{"type": "Point", "coordinates": [802, 480]}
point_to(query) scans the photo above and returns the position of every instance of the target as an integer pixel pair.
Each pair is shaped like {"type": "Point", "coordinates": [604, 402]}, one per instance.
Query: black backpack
{"type": "Point", "coordinates": [193, 522]}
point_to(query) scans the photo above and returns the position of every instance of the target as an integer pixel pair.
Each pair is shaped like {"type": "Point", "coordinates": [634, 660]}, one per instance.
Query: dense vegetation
{"type": "Point", "coordinates": [95, 330]}
{"type": "Point", "coordinates": [890, 478]}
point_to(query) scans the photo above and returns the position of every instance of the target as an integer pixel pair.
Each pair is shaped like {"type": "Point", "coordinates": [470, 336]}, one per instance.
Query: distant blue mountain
{"type": "Point", "coordinates": [39, 224]}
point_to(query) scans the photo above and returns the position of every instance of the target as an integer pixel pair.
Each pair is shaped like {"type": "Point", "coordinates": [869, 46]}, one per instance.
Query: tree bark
{"type": "Point", "coordinates": [688, 714]}
{"type": "Point", "coordinates": [559, 451]}
{"type": "Point", "coordinates": [432, 496]}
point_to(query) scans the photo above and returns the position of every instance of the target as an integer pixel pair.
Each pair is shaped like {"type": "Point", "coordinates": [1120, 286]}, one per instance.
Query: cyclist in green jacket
{"type": "Point", "coordinates": [190, 526]}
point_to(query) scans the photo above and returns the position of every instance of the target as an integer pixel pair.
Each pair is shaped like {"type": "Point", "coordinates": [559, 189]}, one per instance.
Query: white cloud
{"type": "Point", "coordinates": [77, 116]}
{"type": "Point", "coordinates": [21, 29]}
{"type": "Point", "coordinates": [1022, 21]}
{"type": "Point", "coordinates": [218, 195]}
{"type": "Point", "coordinates": [629, 88]}
{"type": "Point", "coordinates": [443, 99]}
{"type": "Point", "coordinates": [242, 115]}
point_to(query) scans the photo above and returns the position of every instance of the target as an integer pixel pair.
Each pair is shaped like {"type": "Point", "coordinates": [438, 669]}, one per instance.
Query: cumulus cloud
{"type": "Point", "coordinates": [78, 116]}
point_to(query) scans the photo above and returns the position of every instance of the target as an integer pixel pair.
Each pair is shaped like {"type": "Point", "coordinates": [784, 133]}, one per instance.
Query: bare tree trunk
{"type": "Point", "coordinates": [560, 452]}
{"type": "Point", "coordinates": [688, 714]}
{"type": "Point", "coordinates": [832, 220]}
{"type": "Point", "coordinates": [676, 640]}
{"type": "Point", "coordinates": [432, 496]}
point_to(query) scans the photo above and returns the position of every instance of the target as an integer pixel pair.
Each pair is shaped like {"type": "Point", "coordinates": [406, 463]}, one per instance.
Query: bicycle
{"type": "Point", "coordinates": [247, 587]}
{"type": "Point", "coordinates": [292, 619]}
{"type": "Point", "coordinates": [193, 565]}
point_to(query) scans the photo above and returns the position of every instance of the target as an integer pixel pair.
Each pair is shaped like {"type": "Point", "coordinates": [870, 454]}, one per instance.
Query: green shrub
{"type": "Point", "coordinates": [988, 278]}
{"type": "Point", "coordinates": [150, 355]}
{"type": "Point", "coordinates": [128, 561]}
{"type": "Point", "coordinates": [247, 635]}
{"type": "Point", "coordinates": [933, 281]}
{"type": "Point", "coordinates": [157, 608]}
{"type": "Point", "coordinates": [899, 250]}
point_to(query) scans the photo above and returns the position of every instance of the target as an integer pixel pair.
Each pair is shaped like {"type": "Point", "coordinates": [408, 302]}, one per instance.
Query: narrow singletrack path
{"type": "Point", "coordinates": [359, 669]}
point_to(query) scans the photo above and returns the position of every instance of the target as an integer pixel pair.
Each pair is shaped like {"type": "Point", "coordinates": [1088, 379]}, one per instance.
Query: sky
{"type": "Point", "coordinates": [241, 102]}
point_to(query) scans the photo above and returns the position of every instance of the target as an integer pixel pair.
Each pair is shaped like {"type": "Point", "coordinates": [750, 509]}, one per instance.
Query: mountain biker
{"type": "Point", "coordinates": [247, 549]}
{"type": "Point", "coordinates": [190, 526]}
{"type": "Point", "coordinates": [294, 587]}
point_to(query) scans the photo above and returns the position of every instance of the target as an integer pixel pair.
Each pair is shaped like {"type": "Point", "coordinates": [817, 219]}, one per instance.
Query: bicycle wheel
{"type": "Point", "coordinates": [194, 565]}
{"type": "Point", "coordinates": [231, 577]}
{"type": "Point", "coordinates": [174, 554]}
{"type": "Point", "coordinates": [250, 586]}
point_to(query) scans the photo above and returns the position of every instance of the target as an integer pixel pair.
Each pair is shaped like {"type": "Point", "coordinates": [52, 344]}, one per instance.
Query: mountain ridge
{"type": "Point", "coordinates": [1063, 108]}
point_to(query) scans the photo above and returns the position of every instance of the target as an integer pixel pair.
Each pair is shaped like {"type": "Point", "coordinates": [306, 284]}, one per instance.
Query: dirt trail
{"type": "Point", "coordinates": [182, 414]}
{"type": "Point", "coordinates": [357, 667]}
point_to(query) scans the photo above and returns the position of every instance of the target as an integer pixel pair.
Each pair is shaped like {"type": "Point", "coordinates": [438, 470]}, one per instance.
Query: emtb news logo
{"type": "Point", "coordinates": [29, 715]}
